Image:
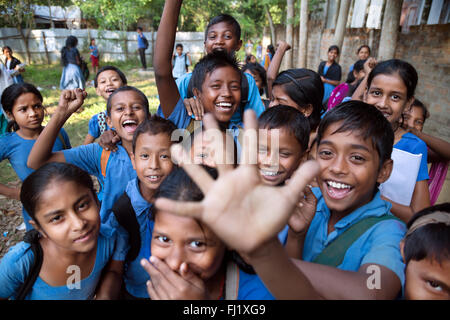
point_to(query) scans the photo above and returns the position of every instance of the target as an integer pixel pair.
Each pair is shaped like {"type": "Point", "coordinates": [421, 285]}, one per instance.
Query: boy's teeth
{"type": "Point", "coordinates": [338, 185]}
{"type": "Point", "coordinates": [269, 173]}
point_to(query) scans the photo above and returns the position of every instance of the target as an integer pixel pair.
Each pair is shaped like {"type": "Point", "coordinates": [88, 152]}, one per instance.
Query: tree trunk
{"type": "Point", "coordinates": [341, 23]}
{"type": "Point", "coordinates": [389, 29]}
{"type": "Point", "coordinates": [25, 42]}
{"type": "Point", "coordinates": [45, 47]}
{"type": "Point", "coordinates": [271, 25]}
{"type": "Point", "coordinates": [52, 24]}
{"type": "Point", "coordinates": [289, 32]}
{"type": "Point", "coordinates": [303, 34]}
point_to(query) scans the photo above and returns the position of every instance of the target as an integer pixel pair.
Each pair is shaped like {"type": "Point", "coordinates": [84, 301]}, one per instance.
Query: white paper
{"type": "Point", "coordinates": [400, 185]}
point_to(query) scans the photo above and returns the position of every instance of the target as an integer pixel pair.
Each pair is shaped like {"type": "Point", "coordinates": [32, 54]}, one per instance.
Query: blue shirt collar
{"type": "Point", "coordinates": [140, 205]}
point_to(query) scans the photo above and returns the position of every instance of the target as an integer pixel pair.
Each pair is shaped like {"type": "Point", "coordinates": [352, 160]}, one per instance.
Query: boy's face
{"type": "Point", "coordinates": [151, 160]}
{"type": "Point", "coordinates": [276, 166]}
{"type": "Point", "coordinates": [349, 170]}
{"type": "Point", "coordinates": [414, 118]}
{"type": "Point", "coordinates": [221, 93]}
{"type": "Point", "coordinates": [426, 279]}
{"type": "Point", "coordinates": [107, 82]}
{"type": "Point", "coordinates": [179, 51]}
{"type": "Point", "coordinates": [127, 112]}
{"type": "Point", "coordinates": [221, 36]}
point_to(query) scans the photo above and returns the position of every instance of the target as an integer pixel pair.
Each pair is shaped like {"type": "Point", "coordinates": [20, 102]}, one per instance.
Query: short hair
{"type": "Point", "coordinates": [112, 68]}
{"type": "Point", "coordinates": [363, 46]}
{"type": "Point", "coordinates": [357, 67]}
{"type": "Point", "coordinates": [258, 69]}
{"type": "Point", "coordinates": [419, 104]}
{"type": "Point", "coordinates": [304, 87]}
{"type": "Point", "coordinates": [139, 28]}
{"type": "Point", "coordinates": [179, 45]}
{"type": "Point", "coordinates": [36, 183]}
{"type": "Point", "coordinates": [7, 47]}
{"type": "Point", "coordinates": [127, 88]}
{"type": "Point", "coordinates": [212, 61]}
{"type": "Point", "coordinates": [363, 120]}
{"type": "Point", "coordinates": [334, 47]}
{"type": "Point", "coordinates": [228, 20]}
{"type": "Point", "coordinates": [154, 125]}
{"type": "Point", "coordinates": [405, 70]}
{"type": "Point", "coordinates": [431, 241]}
{"type": "Point", "coordinates": [289, 119]}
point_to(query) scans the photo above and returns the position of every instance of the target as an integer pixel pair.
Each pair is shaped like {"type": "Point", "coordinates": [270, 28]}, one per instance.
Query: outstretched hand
{"type": "Point", "coordinates": [70, 101]}
{"type": "Point", "coordinates": [238, 206]}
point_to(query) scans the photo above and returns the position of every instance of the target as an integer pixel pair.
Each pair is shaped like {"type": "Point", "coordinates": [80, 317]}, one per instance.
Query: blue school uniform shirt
{"type": "Point", "coordinates": [16, 149]}
{"type": "Point", "coordinates": [179, 65]}
{"type": "Point", "coordinates": [254, 98]}
{"type": "Point", "coordinates": [135, 277]}
{"type": "Point", "coordinates": [252, 288]}
{"type": "Point", "coordinates": [380, 244]}
{"type": "Point", "coordinates": [16, 264]}
{"type": "Point", "coordinates": [119, 171]}
{"type": "Point", "coordinates": [328, 88]}
{"type": "Point", "coordinates": [412, 144]}
{"type": "Point", "coordinates": [94, 125]}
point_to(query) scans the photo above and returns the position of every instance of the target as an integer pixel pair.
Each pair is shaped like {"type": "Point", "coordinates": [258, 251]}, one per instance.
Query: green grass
{"type": "Point", "coordinates": [47, 78]}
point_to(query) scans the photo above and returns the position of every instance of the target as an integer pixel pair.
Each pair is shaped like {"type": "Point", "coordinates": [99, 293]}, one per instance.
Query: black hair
{"type": "Point", "coordinates": [431, 241]}
{"type": "Point", "coordinates": [7, 47]}
{"type": "Point", "coordinates": [363, 46]}
{"type": "Point", "coordinates": [179, 45]}
{"type": "Point", "coordinates": [288, 118]}
{"type": "Point", "coordinates": [71, 42]}
{"type": "Point", "coordinates": [36, 183]}
{"type": "Point", "coordinates": [405, 70]}
{"type": "Point", "coordinates": [112, 68]}
{"type": "Point", "coordinates": [212, 61]}
{"type": "Point", "coordinates": [179, 186]}
{"type": "Point", "coordinates": [305, 87]}
{"type": "Point", "coordinates": [334, 47]}
{"type": "Point", "coordinates": [271, 48]}
{"type": "Point", "coordinates": [364, 120]}
{"type": "Point", "coordinates": [139, 28]}
{"type": "Point", "coordinates": [256, 68]}
{"type": "Point", "coordinates": [154, 125]}
{"type": "Point", "coordinates": [357, 67]}
{"type": "Point", "coordinates": [248, 58]}
{"type": "Point", "coordinates": [228, 20]}
{"type": "Point", "coordinates": [419, 104]}
{"type": "Point", "coordinates": [127, 88]}
{"type": "Point", "coordinates": [11, 94]}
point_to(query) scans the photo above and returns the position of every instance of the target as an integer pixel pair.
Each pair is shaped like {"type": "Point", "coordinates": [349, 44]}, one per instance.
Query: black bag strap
{"type": "Point", "coordinates": [32, 237]}
{"type": "Point", "coordinates": [126, 217]}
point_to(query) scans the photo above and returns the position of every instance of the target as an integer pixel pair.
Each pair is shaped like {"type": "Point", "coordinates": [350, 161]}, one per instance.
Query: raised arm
{"type": "Point", "coordinates": [359, 92]}
{"type": "Point", "coordinates": [162, 61]}
{"type": "Point", "coordinates": [274, 66]}
{"type": "Point", "coordinates": [41, 153]}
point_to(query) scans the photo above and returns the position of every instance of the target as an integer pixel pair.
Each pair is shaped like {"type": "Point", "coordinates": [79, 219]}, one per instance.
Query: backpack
{"type": "Point", "coordinates": [244, 91]}
{"type": "Point", "coordinates": [185, 62]}
{"type": "Point", "coordinates": [144, 39]}
{"type": "Point", "coordinates": [334, 253]}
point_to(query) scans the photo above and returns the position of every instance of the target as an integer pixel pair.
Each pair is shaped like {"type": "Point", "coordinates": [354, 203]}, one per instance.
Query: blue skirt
{"type": "Point", "coordinates": [71, 78]}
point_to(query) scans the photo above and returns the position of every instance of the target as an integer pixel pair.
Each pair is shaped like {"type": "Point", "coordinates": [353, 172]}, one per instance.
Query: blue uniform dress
{"type": "Point", "coordinates": [118, 171]}
{"type": "Point", "coordinates": [135, 277]}
{"type": "Point", "coordinates": [252, 288]}
{"type": "Point", "coordinates": [412, 144]}
{"type": "Point", "coordinates": [16, 149]}
{"type": "Point", "coordinates": [16, 265]}
{"type": "Point", "coordinates": [71, 77]}
{"type": "Point", "coordinates": [254, 98]}
{"type": "Point", "coordinates": [380, 244]}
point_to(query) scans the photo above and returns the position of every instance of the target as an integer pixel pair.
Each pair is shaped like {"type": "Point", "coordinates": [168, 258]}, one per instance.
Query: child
{"type": "Point", "coordinates": [363, 53]}
{"type": "Point", "coordinates": [259, 74]}
{"type": "Point", "coordinates": [222, 33]}
{"type": "Point", "coordinates": [354, 147]}
{"type": "Point", "coordinates": [108, 79]}
{"type": "Point", "coordinates": [72, 76]}
{"type": "Point", "coordinates": [188, 260]}
{"type": "Point", "coordinates": [13, 65]}
{"type": "Point", "coordinates": [330, 72]}
{"type": "Point", "coordinates": [94, 55]}
{"type": "Point", "coordinates": [180, 62]}
{"type": "Point", "coordinates": [438, 149]}
{"type": "Point", "coordinates": [152, 161]}
{"type": "Point", "coordinates": [127, 107]}
{"type": "Point", "coordinates": [425, 250]}
{"type": "Point", "coordinates": [390, 88]}
{"type": "Point", "coordinates": [69, 235]}
{"type": "Point", "coordinates": [270, 52]}
{"type": "Point", "coordinates": [216, 79]}
{"type": "Point", "coordinates": [23, 106]}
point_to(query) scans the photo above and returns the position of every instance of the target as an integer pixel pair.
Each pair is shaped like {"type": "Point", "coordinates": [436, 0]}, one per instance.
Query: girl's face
{"type": "Point", "coordinates": [414, 118]}
{"type": "Point", "coordinates": [107, 82]}
{"type": "Point", "coordinates": [363, 54]}
{"type": "Point", "coordinates": [221, 93]}
{"type": "Point", "coordinates": [359, 75]}
{"type": "Point", "coordinates": [280, 96]}
{"type": "Point", "coordinates": [388, 93]}
{"type": "Point", "coordinates": [27, 112]}
{"type": "Point", "coordinates": [127, 112]}
{"type": "Point", "coordinates": [71, 222]}
{"type": "Point", "coordinates": [7, 53]}
{"type": "Point", "coordinates": [178, 239]}
{"type": "Point", "coordinates": [332, 55]}
{"type": "Point", "coordinates": [151, 159]}
{"type": "Point", "coordinates": [257, 78]}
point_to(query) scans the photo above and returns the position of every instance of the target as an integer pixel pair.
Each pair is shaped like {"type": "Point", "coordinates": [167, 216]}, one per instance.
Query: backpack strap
{"type": "Point", "coordinates": [232, 281]}
{"type": "Point", "coordinates": [104, 158]}
{"type": "Point", "coordinates": [126, 217]}
{"type": "Point", "coordinates": [31, 237]}
{"type": "Point", "coordinates": [334, 253]}
{"type": "Point", "coordinates": [61, 138]}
